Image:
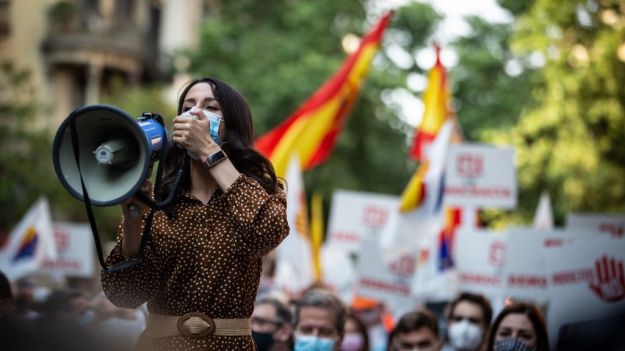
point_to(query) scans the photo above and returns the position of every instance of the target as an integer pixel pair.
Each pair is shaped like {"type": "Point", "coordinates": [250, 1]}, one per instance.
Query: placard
{"type": "Point", "coordinates": [356, 215]}
{"type": "Point", "coordinates": [480, 176]}
{"type": "Point", "coordinates": [75, 251]}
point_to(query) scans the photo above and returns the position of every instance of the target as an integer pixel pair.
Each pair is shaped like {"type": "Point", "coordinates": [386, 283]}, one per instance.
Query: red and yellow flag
{"type": "Point", "coordinates": [436, 98]}
{"type": "Point", "coordinates": [414, 193]}
{"type": "Point", "coordinates": [313, 129]}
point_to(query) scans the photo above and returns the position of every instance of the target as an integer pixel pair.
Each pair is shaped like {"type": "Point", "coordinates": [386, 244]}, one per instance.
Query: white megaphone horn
{"type": "Point", "coordinates": [102, 156]}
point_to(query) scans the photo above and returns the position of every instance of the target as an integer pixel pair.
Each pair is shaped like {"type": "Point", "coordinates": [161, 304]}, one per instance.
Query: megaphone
{"type": "Point", "coordinates": [112, 151]}
{"type": "Point", "coordinates": [102, 156]}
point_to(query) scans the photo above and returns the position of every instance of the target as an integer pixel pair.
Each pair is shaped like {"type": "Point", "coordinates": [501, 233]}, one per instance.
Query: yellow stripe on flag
{"type": "Point", "coordinates": [414, 192]}
{"type": "Point", "coordinates": [305, 135]}
{"type": "Point", "coordinates": [316, 231]}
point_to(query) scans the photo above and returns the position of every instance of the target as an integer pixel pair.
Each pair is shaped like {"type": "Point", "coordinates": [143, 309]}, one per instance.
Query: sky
{"type": "Point", "coordinates": [451, 27]}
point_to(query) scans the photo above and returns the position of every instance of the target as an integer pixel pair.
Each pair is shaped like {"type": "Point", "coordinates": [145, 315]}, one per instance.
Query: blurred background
{"type": "Point", "coordinates": [546, 78]}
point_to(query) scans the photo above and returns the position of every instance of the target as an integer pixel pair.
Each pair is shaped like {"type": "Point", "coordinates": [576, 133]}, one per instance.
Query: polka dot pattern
{"type": "Point", "coordinates": [207, 259]}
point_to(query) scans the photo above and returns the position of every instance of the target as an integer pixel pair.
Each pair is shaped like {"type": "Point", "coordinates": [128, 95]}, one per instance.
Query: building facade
{"type": "Point", "coordinates": [75, 49]}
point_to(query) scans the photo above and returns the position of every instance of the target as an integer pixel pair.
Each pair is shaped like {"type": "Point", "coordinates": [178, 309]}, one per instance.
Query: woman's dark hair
{"type": "Point", "coordinates": [477, 299]}
{"type": "Point", "coordinates": [535, 317]}
{"type": "Point", "coordinates": [413, 321]}
{"type": "Point", "coordinates": [362, 328]}
{"type": "Point", "coordinates": [239, 136]}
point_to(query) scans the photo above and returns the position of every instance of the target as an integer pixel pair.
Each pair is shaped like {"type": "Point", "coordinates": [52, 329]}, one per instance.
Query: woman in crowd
{"type": "Point", "coordinates": [518, 327]}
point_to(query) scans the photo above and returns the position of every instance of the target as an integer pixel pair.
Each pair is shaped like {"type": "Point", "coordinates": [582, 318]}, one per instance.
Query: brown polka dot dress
{"type": "Point", "coordinates": [207, 259]}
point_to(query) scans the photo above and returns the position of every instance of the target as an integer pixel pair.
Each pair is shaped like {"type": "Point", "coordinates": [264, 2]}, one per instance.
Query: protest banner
{"type": "Point", "coordinates": [586, 282]}
{"type": "Point", "coordinates": [389, 282]}
{"type": "Point", "coordinates": [602, 223]}
{"type": "Point", "coordinates": [525, 276]}
{"type": "Point", "coordinates": [480, 176]}
{"type": "Point", "coordinates": [357, 215]}
{"type": "Point", "coordinates": [480, 259]}
{"type": "Point", "coordinates": [75, 251]}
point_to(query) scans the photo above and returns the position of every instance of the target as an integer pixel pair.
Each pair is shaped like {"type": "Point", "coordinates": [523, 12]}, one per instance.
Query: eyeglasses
{"type": "Point", "coordinates": [260, 321]}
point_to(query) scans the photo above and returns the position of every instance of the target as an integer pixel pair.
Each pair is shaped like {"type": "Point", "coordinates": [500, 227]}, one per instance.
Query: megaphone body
{"type": "Point", "coordinates": [114, 152]}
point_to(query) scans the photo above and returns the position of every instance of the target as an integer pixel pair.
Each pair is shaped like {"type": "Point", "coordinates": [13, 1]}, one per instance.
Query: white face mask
{"type": "Point", "coordinates": [465, 335]}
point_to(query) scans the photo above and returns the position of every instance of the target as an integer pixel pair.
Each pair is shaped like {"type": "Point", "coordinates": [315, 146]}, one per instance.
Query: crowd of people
{"type": "Point", "coordinates": [188, 276]}
{"type": "Point", "coordinates": [68, 319]}
{"type": "Point", "coordinates": [319, 320]}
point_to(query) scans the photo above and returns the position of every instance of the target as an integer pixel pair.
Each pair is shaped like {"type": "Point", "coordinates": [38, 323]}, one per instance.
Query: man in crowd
{"type": "Point", "coordinates": [271, 325]}
{"type": "Point", "coordinates": [415, 331]}
{"type": "Point", "coordinates": [468, 321]}
{"type": "Point", "coordinates": [319, 321]}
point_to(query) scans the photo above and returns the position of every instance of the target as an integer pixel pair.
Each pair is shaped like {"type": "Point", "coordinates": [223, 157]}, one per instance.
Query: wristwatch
{"type": "Point", "coordinates": [215, 158]}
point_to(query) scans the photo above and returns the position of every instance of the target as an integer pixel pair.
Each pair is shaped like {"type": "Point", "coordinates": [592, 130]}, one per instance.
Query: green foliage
{"type": "Point", "coordinates": [277, 58]}
{"type": "Point", "coordinates": [25, 155]}
{"type": "Point", "coordinates": [569, 142]}
{"type": "Point", "coordinates": [486, 98]}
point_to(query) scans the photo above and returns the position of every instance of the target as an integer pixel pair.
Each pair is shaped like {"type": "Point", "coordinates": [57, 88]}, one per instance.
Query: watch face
{"type": "Point", "coordinates": [216, 158]}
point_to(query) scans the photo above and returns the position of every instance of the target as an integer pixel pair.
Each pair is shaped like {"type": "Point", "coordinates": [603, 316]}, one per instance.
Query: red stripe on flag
{"type": "Point", "coordinates": [267, 143]}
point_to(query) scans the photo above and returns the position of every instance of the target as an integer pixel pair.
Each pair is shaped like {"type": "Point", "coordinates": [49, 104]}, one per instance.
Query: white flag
{"type": "Point", "coordinates": [543, 218]}
{"type": "Point", "coordinates": [29, 243]}
{"type": "Point", "coordinates": [410, 229]}
{"type": "Point", "coordinates": [294, 263]}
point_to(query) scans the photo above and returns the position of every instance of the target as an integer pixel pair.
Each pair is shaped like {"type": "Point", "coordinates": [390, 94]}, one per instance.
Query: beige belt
{"type": "Point", "coordinates": [195, 324]}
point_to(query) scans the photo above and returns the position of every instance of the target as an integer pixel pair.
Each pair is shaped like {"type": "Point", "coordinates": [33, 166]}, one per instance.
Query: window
{"type": "Point", "coordinates": [5, 17]}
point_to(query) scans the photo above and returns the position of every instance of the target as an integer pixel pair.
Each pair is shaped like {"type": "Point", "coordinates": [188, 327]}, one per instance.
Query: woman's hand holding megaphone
{"type": "Point", "coordinates": [133, 210]}
{"type": "Point", "coordinates": [192, 134]}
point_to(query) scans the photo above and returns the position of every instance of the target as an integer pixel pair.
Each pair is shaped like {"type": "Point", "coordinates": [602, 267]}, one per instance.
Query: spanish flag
{"type": "Point", "coordinates": [436, 98]}
{"type": "Point", "coordinates": [312, 130]}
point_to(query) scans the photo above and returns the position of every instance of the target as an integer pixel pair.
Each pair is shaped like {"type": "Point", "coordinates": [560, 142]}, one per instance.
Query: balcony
{"type": "Point", "coordinates": [77, 36]}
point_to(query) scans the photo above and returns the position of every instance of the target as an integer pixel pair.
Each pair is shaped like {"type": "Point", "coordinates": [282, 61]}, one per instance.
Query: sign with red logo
{"type": "Point", "coordinates": [608, 281]}
{"type": "Point", "coordinates": [389, 282]}
{"type": "Point", "coordinates": [480, 257]}
{"type": "Point", "coordinates": [76, 251]}
{"type": "Point", "coordinates": [375, 216]}
{"type": "Point", "coordinates": [356, 215]}
{"type": "Point", "coordinates": [586, 280]}
{"type": "Point", "coordinates": [525, 276]}
{"type": "Point", "coordinates": [480, 176]}
{"type": "Point", "coordinates": [613, 225]}
{"type": "Point", "coordinates": [469, 165]}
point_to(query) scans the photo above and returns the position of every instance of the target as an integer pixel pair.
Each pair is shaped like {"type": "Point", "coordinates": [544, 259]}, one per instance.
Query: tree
{"type": "Point", "coordinates": [26, 152]}
{"type": "Point", "coordinates": [569, 142]}
{"type": "Point", "coordinates": [491, 87]}
{"type": "Point", "coordinates": [278, 57]}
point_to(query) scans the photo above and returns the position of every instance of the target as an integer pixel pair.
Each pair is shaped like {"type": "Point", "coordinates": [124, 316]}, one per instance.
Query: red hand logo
{"type": "Point", "coordinates": [609, 282]}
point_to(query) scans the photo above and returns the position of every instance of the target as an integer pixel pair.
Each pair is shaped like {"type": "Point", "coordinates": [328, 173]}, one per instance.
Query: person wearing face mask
{"type": "Point", "coordinates": [415, 331]}
{"type": "Point", "coordinates": [319, 322]}
{"type": "Point", "coordinates": [518, 327]}
{"type": "Point", "coordinates": [201, 266]}
{"type": "Point", "coordinates": [356, 338]}
{"type": "Point", "coordinates": [468, 321]}
{"type": "Point", "coordinates": [271, 325]}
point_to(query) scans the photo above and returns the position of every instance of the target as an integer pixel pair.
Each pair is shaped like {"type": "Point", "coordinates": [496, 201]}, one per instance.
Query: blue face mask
{"type": "Point", "coordinates": [312, 343]}
{"type": "Point", "coordinates": [214, 121]}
